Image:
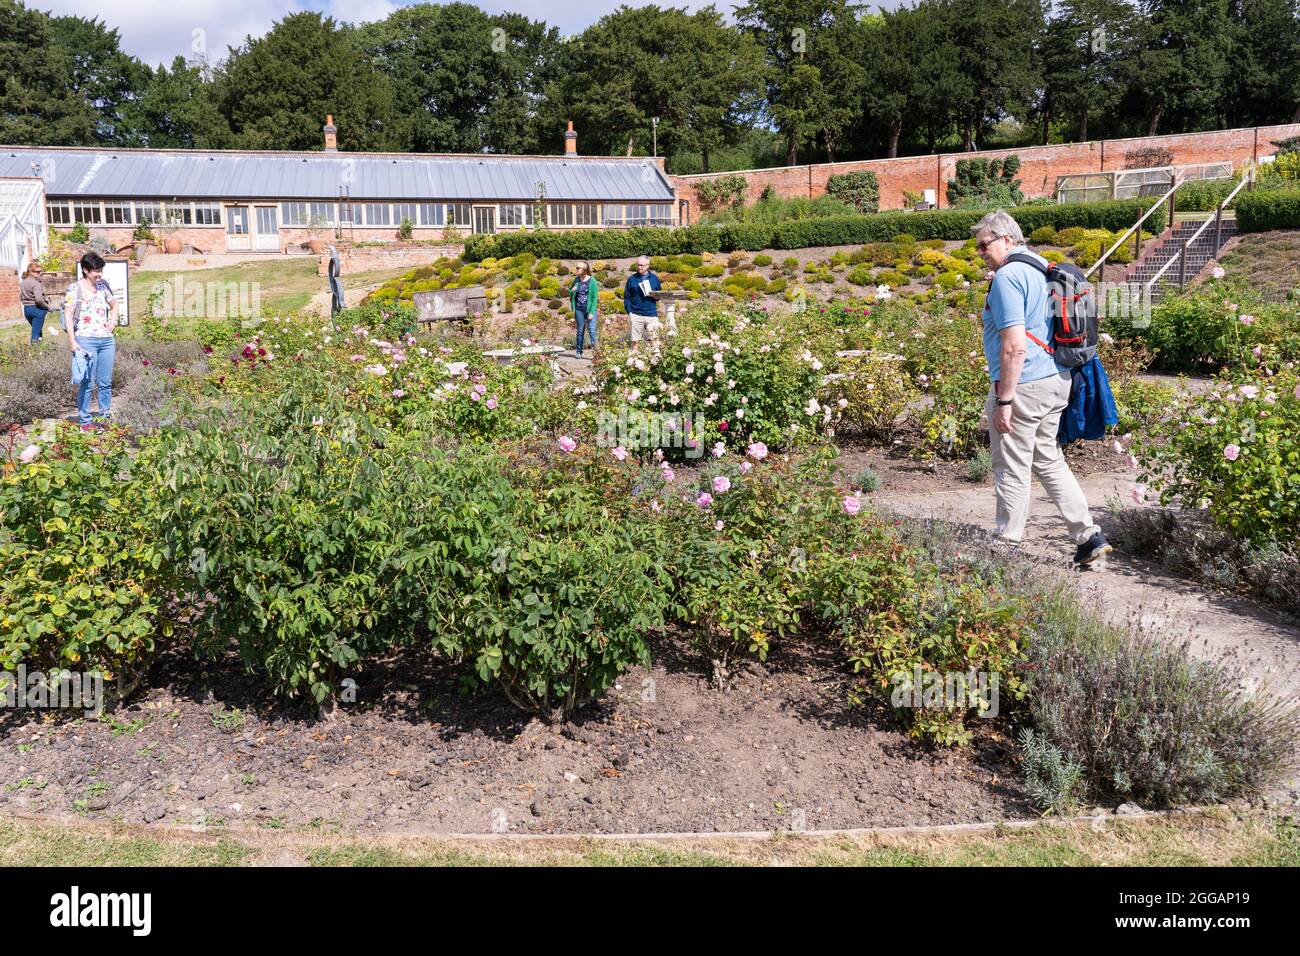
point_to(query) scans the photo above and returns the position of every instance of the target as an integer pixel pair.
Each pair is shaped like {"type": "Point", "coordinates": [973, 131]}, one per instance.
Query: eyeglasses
{"type": "Point", "coordinates": [981, 246]}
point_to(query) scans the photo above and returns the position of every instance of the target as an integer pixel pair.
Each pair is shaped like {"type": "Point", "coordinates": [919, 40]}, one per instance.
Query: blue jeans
{"type": "Point", "coordinates": [586, 323]}
{"type": "Point", "coordinates": [35, 316]}
{"type": "Point", "coordinates": [102, 349]}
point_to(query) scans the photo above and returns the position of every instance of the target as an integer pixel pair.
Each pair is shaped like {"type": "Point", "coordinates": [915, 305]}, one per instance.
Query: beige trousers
{"type": "Point", "coordinates": [1031, 448]}
{"type": "Point", "coordinates": [643, 327]}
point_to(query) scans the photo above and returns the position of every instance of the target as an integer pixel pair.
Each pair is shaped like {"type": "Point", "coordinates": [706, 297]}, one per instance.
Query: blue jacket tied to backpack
{"type": "Point", "coordinates": [1092, 406]}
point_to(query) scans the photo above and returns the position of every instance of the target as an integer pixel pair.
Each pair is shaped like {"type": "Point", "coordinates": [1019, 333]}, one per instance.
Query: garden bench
{"type": "Point", "coordinates": [450, 304]}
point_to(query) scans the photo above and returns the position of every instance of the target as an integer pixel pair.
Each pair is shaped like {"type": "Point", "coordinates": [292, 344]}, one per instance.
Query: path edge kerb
{"type": "Point", "coordinates": [1092, 820]}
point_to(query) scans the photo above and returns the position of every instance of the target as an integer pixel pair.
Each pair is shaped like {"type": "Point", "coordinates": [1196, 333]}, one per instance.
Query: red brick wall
{"type": "Point", "coordinates": [9, 305]}
{"type": "Point", "coordinates": [1039, 165]}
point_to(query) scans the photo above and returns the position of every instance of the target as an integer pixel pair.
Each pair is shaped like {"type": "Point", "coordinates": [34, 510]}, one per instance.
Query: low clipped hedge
{"type": "Point", "coordinates": [1261, 210]}
{"type": "Point", "coordinates": [949, 224]}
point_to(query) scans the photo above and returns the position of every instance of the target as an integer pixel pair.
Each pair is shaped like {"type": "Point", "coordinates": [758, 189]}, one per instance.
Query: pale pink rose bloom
{"type": "Point", "coordinates": [1231, 452]}
{"type": "Point", "coordinates": [398, 393]}
{"type": "Point", "coordinates": [704, 500]}
{"type": "Point", "coordinates": [745, 467]}
{"type": "Point", "coordinates": [1249, 391]}
{"type": "Point", "coordinates": [29, 454]}
{"type": "Point", "coordinates": [1296, 393]}
{"type": "Point", "coordinates": [721, 484]}
{"type": "Point", "coordinates": [1218, 272]}
{"type": "Point", "coordinates": [852, 504]}
{"type": "Point", "coordinates": [492, 403]}
{"type": "Point", "coordinates": [620, 453]}
{"type": "Point", "coordinates": [567, 444]}
{"type": "Point", "coordinates": [1247, 320]}
{"type": "Point", "coordinates": [719, 450]}
{"type": "Point", "coordinates": [1119, 449]}
{"type": "Point", "coordinates": [1132, 463]}
{"type": "Point", "coordinates": [475, 396]}
{"type": "Point", "coordinates": [656, 507]}
{"type": "Point", "coordinates": [1138, 493]}
{"type": "Point", "coordinates": [718, 526]}
{"type": "Point", "coordinates": [668, 475]}
{"type": "Point", "coordinates": [758, 451]}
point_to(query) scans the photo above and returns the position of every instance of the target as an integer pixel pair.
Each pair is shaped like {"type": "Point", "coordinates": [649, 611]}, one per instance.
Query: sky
{"type": "Point", "coordinates": [157, 31]}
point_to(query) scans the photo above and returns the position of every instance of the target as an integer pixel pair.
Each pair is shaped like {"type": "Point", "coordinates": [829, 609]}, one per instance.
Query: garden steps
{"type": "Point", "coordinates": [1215, 625]}
{"type": "Point", "coordinates": [1168, 246]}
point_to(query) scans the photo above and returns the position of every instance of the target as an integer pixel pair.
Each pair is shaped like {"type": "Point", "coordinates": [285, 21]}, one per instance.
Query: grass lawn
{"type": "Point", "coordinates": [1217, 837]}
{"type": "Point", "coordinates": [1268, 262]}
{"type": "Point", "coordinates": [284, 285]}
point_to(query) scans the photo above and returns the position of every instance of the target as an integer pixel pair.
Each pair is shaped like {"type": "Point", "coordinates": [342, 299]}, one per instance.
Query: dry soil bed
{"type": "Point", "coordinates": [414, 755]}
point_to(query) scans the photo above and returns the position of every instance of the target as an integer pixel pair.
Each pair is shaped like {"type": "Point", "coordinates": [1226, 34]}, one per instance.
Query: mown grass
{"type": "Point", "coordinates": [1218, 837]}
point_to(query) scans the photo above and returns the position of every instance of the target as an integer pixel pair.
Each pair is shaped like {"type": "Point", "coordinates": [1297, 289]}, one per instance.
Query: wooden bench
{"type": "Point", "coordinates": [453, 305]}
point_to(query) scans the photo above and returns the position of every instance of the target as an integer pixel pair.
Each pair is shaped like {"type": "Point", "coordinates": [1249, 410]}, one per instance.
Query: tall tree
{"type": "Point", "coordinates": [911, 71]}
{"type": "Point", "coordinates": [815, 79]}
{"type": "Point", "coordinates": [699, 77]}
{"type": "Point", "coordinates": [177, 110]}
{"type": "Point", "coordinates": [276, 90]}
{"type": "Point", "coordinates": [103, 75]}
{"type": "Point", "coordinates": [1181, 72]}
{"type": "Point", "coordinates": [38, 105]}
{"type": "Point", "coordinates": [1085, 52]}
{"type": "Point", "coordinates": [1265, 75]}
{"type": "Point", "coordinates": [464, 81]}
{"type": "Point", "coordinates": [996, 60]}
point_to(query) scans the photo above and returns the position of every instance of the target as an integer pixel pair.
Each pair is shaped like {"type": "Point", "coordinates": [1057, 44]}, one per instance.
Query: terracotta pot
{"type": "Point", "coordinates": [317, 246]}
{"type": "Point", "coordinates": [172, 245]}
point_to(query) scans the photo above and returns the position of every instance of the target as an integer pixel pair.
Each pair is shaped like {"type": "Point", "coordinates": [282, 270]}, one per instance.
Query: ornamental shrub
{"type": "Point", "coordinates": [84, 580]}
{"type": "Point", "coordinates": [1233, 451]}
{"type": "Point", "coordinates": [858, 189]}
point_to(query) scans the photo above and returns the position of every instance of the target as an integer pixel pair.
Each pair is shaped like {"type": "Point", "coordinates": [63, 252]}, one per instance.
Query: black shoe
{"type": "Point", "coordinates": [1092, 549]}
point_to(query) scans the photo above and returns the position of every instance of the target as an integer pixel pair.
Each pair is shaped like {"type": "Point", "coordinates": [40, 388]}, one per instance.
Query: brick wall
{"type": "Point", "coordinates": [9, 305]}
{"type": "Point", "coordinates": [1039, 165]}
{"type": "Point", "coordinates": [365, 259]}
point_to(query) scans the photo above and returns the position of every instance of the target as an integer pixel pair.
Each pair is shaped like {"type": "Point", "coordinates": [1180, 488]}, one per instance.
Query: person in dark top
{"type": "Point", "coordinates": [582, 298]}
{"type": "Point", "coordinates": [639, 302]}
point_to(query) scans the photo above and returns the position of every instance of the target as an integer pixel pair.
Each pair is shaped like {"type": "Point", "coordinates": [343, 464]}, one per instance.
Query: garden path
{"type": "Point", "coordinates": [1214, 624]}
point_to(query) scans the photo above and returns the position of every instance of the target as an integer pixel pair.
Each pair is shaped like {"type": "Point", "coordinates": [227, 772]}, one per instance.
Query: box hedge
{"type": "Point", "coordinates": [948, 224]}
{"type": "Point", "coordinates": [1261, 210]}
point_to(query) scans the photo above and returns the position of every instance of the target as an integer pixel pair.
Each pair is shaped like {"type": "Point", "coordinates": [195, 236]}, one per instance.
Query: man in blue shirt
{"type": "Point", "coordinates": [639, 302]}
{"type": "Point", "coordinates": [1029, 393]}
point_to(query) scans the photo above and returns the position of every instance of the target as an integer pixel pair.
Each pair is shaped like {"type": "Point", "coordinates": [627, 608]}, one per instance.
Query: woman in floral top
{"type": "Point", "coordinates": [90, 317]}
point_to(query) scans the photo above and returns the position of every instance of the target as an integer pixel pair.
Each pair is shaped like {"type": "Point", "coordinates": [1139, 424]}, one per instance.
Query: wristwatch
{"type": "Point", "coordinates": [1006, 401]}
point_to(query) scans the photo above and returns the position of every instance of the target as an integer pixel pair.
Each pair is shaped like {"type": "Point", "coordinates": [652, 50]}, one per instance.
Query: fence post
{"type": "Point", "coordinates": [1182, 266]}
{"type": "Point", "coordinates": [1218, 229]}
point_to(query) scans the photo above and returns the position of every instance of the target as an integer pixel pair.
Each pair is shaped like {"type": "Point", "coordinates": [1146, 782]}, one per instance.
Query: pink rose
{"type": "Point", "coordinates": [745, 467]}
{"type": "Point", "coordinates": [852, 504]}
{"type": "Point", "coordinates": [491, 403]}
{"type": "Point", "coordinates": [567, 444]}
{"type": "Point", "coordinates": [721, 484]}
{"type": "Point", "coordinates": [718, 526]}
{"type": "Point", "coordinates": [620, 453]}
{"type": "Point", "coordinates": [668, 475]}
{"type": "Point", "coordinates": [1138, 493]}
{"type": "Point", "coordinates": [29, 454]}
{"type": "Point", "coordinates": [704, 500]}
{"type": "Point", "coordinates": [1231, 452]}
{"type": "Point", "coordinates": [1247, 320]}
{"type": "Point", "coordinates": [758, 451]}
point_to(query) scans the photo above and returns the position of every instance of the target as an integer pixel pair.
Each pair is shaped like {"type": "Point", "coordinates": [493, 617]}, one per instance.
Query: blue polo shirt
{"type": "Point", "coordinates": [1018, 296]}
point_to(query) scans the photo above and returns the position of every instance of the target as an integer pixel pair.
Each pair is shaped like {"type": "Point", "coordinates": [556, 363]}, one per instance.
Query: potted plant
{"type": "Point", "coordinates": [169, 224]}
{"type": "Point", "coordinates": [316, 231]}
{"type": "Point", "coordinates": [144, 240]}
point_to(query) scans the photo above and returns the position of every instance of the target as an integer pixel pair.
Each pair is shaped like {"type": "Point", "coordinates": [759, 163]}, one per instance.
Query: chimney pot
{"type": "Point", "coordinates": [570, 141]}
{"type": "Point", "coordinates": [331, 134]}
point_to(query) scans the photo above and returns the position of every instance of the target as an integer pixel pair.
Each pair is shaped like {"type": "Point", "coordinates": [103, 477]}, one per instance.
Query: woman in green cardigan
{"type": "Point", "coordinates": [582, 299]}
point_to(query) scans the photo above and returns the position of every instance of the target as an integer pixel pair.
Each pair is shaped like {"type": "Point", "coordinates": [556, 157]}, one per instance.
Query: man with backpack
{"type": "Point", "coordinates": [1025, 350]}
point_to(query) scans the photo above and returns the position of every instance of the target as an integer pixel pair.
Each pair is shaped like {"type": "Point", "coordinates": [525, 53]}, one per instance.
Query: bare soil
{"type": "Point", "coordinates": [662, 752]}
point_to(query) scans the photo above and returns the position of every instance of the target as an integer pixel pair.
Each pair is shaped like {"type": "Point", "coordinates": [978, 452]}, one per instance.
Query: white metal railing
{"type": "Point", "coordinates": [1246, 182]}
{"type": "Point", "coordinates": [1137, 227]}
